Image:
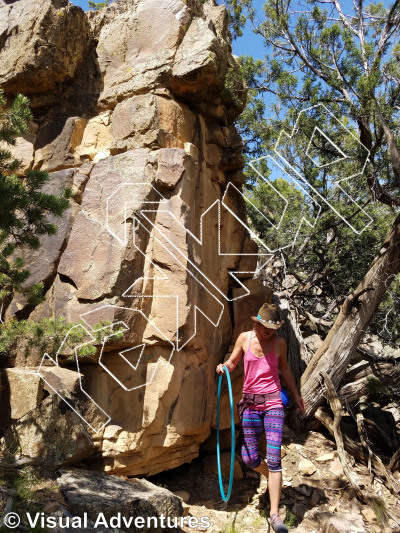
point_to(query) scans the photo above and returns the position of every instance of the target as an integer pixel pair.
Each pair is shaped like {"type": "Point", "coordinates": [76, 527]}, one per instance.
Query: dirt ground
{"type": "Point", "coordinates": [321, 501]}
{"type": "Point", "coordinates": [316, 496]}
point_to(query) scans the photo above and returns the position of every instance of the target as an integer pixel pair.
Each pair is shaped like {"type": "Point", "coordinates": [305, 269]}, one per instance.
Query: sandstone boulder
{"type": "Point", "coordinates": [136, 49]}
{"type": "Point", "coordinates": [225, 441]}
{"type": "Point", "coordinates": [343, 523]}
{"type": "Point", "coordinates": [325, 457]}
{"type": "Point", "coordinates": [94, 493]}
{"type": "Point", "coordinates": [51, 435]}
{"type": "Point", "coordinates": [225, 409]}
{"type": "Point", "coordinates": [56, 378]}
{"type": "Point", "coordinates": [42, 261]}
{"type": "Point", "coordinates": [196, 61]}
{"type": "Point", "coordinates": [306, 467]}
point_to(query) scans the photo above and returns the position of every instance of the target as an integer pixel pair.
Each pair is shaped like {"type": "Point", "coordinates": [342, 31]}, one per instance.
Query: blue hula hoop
{"type": "Point", "coordinates": [226, 498]}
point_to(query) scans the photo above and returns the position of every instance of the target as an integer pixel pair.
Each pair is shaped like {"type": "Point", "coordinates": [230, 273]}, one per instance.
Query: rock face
{"type": "Point", "coordinates": [25, 389]}
{"type": "Point", "coordinates": [131, 112]}
{"type": "Point", "coordinates": [42, 44]}
{"type": "Point", "coordinates": [51, 435]}
{"type": "Point", "coordinates": [103, 498]}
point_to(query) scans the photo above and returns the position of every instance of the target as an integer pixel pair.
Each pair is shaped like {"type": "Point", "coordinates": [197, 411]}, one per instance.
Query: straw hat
{"type": "Point", "coordinates": [266, 315]}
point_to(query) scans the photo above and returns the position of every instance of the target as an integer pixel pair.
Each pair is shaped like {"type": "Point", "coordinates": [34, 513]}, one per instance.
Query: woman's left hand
{"type": "Point", "coordinates": [300, 402]}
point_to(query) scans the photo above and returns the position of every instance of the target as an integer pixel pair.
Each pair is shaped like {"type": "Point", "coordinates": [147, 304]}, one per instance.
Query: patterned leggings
{"type": "Point", "coordinates": [252, 422]}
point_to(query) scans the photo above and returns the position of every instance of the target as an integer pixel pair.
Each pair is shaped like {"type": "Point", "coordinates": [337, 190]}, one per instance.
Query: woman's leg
{"type": "Point", "coordinates": [273, 424]}
{"type": "Point", "coordinates": [252, 424]}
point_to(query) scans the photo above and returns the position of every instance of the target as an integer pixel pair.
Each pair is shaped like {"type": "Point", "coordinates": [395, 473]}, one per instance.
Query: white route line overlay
{"type": "Point", "coordinates": [337, 183]}
{"type": "Point", "coordinates": [285, 200]}
{"type": "Point", "coordinates": [47, 357]}
{"type": "Point", "coordinates": [124, 242]}
{"type": "Point", "coordinates": [176, 251]}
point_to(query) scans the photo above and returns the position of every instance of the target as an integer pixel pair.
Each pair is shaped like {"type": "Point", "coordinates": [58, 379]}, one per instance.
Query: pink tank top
{"type": "Point", "coordinates": [261, 375]}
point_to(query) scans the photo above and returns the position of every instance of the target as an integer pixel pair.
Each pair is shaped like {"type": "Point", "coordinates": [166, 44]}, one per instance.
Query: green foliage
{"type": "Point", "coordinates": [380, 509]}
{"type": "Point", "coordinates": [374, 387]}
{"type": "Point", "coordinates": [24, 484]}
{"type": "Point", "coordinates": [233, 87]}
{"type": "Point", "coordinates": [259, 521]}
{"type": "Point", "coordinates": [378, 391]}
{"type": "Point", "coordinates": [237, 18]}
{"type": "Point", "coordinates": [99, 5]}
{"type": "Point", "coordinates": [386, 323]}
{"type": "Point", "coordinates": [24, 208]}
{"type": "Point", "coordinates": [231, 528]}
{"type": "Point", "coordinates": [290, 519]}
{"type": "Point", "coordinates": [328, 257]}
{"type": "Point", "coordinates": [48, 334]}
{"type": "Point", "coordinates": [242, 77]}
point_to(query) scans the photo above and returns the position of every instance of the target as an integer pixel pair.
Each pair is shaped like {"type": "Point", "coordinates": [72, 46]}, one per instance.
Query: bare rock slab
{"type": "Point", "coordinates": [342, 523]}
{"type": "Point", "coordinates": [57, 378]}
{"type": "Point", "coordinates": [93, 493]}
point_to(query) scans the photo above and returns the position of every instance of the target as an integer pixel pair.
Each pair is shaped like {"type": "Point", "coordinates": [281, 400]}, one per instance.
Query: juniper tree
{"type": "Point", "coordinates": [347, 58]}
{"type": "Point", "coordinates": [99, 5]}
{"type": "Point", "coordinates": [24, 207]}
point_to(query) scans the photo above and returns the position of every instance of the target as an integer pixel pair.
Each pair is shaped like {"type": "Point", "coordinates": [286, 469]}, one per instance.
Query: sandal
{"type": "Point", "coordinates": [277, 525]}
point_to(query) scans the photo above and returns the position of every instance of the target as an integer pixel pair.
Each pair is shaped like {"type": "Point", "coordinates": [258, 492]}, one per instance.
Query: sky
{"type": "Point", "coordinates": [248, 44]}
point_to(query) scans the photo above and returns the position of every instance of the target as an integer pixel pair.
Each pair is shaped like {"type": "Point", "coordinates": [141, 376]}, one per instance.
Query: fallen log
{"type": "Point", "coordinates": [380, 369]}
{"type": "Point", "coordinates": [361, 426]}
{"type": "Point", "coordinates": [374, 430]}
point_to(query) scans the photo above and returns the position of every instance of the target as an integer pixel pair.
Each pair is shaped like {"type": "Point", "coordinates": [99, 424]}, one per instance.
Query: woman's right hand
{"type": "Point", "coordinates": [220, 369]}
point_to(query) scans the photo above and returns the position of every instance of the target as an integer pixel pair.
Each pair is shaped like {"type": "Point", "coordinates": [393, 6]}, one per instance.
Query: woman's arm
{"type": "Point", "coordinates": [288, 376]}
{"type": "Point", "coordinates": [235, 356]}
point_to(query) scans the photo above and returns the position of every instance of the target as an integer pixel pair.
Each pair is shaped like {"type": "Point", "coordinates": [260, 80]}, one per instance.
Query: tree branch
{"type": "Point", "coordinates": [393, 151]}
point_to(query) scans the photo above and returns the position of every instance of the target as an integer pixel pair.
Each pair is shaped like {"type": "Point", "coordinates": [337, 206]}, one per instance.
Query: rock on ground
{"type": "Point", "coordinates": [94, 493]}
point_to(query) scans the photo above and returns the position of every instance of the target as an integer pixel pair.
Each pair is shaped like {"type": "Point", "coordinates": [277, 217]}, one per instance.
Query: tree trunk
{"type": "Point", "coordinates": [355, 314]}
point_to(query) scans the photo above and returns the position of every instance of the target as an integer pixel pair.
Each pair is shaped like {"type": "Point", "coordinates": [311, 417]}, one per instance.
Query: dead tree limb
{"type": "Point", "coordinates": [357, 451]}
{"type": "Point", "coordinates": [372, 428]}
{"type": "Point", "coordinates": [290, 331]}
{"type": "Point", "coordinates": [371, 455]}
{"type": "Point", "coordinates": [356, 386]}
{"type": "Point", "coordinates": [395, 461]}
{"type": "Point", "coordinates": [363, 434]}
{"type": "Point", "coordinates": [336, 407]}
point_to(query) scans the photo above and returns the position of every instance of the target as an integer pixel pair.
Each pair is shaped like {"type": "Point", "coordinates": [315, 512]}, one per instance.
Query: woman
{"type": "Point", "coordinates": [261, 405]}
